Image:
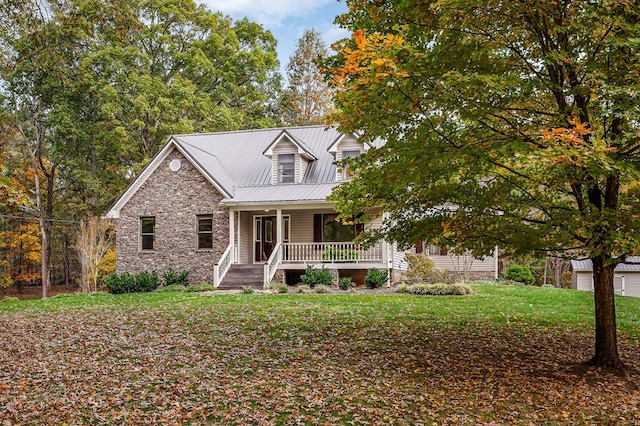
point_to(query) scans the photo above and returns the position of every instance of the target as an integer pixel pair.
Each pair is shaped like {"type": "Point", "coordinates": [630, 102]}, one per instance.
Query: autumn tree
{"type": "Point", "coordinates": [307, 98]}
{"type": "Point", "coordinates": [511, 123]}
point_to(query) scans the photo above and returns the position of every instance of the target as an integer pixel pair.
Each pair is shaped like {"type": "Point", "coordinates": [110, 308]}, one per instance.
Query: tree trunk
{"type": "Point", "coordinates": [606, 347]}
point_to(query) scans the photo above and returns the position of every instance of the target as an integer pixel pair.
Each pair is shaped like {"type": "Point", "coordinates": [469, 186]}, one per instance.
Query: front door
{"type": "Point", "coordinates": [265, 237]}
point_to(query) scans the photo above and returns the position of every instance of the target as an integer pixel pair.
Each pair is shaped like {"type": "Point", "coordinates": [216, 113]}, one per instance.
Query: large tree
{"type": "Point", "coordinates": [506, 122]}
{"type": "Point", "coordinates": [307, 98]}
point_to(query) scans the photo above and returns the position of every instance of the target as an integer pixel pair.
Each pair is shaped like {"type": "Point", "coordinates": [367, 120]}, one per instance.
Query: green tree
{"type": "Point", "coordinates": [307, 98]}
{"type": "Point", "coordinates": [511, 123]}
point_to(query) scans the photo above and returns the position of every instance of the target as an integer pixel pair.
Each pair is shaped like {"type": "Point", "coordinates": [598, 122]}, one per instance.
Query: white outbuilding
{"type": "Point", "coordinates": [626, 279]}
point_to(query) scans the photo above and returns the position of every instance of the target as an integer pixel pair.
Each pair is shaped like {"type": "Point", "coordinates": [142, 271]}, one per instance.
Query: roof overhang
{"type": "Point", "coordinates": [302, 149]}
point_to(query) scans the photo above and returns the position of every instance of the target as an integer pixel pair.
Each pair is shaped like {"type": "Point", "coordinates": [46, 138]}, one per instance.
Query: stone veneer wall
{"type": "Point", "coordinates": [174, 198]}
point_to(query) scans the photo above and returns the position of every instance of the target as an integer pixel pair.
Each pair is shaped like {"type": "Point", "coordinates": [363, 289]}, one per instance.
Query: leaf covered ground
{"type": "Point", "coordinates": [501, 356]}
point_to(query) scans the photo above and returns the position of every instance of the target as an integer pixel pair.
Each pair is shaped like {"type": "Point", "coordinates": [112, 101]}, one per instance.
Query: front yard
{"type": "Point", "coordinates": [504, 355]}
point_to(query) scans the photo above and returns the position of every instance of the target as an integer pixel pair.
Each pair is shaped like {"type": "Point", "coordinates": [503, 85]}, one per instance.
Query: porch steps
{"type": "Point", "coordinates": [240, 276]}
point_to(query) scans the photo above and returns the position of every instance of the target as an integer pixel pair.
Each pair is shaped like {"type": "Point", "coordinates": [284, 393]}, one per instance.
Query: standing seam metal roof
{"type": "Point", "coordinates": [235, 160]}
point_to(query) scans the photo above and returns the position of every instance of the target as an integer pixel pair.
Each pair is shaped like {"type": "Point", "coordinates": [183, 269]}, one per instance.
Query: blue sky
{"type": "Point", "coordinates": [287, 19]}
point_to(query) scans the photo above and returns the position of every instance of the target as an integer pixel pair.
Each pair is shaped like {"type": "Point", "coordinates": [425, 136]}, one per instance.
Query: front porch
{"type": "Point", "coordinates": [287, 239]}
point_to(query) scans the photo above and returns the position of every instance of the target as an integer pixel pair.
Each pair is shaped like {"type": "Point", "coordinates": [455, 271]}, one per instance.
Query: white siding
{"type": "Point", "coordinates": [246, 237]}
{"type": "Point", "coordinates": [463, 263]}
{"type": "Point", "coordinates": [632, 284]}
{"type": "Point", "coordinates": [583, 281]}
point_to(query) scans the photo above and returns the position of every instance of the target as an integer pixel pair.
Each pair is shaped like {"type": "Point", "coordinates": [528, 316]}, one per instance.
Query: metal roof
{"type": "Point", "coordinates": [585, 265]}
{"type": "Point", "coordinates": [290, 193]}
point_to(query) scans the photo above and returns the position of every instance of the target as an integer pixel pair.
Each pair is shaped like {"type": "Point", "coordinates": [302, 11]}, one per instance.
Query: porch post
{"type": "Point", "coordinates": [232, 233]}
{"type": "Point", "coordinates": [279, 226]}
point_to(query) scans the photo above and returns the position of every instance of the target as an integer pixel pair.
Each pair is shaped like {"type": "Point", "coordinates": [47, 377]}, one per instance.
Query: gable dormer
{"type": "Point", "coordinates": [290, 159]}
{"type": "Point", "coordinates": [343, 147]}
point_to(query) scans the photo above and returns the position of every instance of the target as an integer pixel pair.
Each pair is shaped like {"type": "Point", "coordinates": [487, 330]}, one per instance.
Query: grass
{"type": "Point", "coordinates": [504, 355]}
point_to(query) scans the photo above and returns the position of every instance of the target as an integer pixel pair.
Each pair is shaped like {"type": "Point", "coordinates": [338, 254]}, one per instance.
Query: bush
{"type": "Point", "coordinates": [200, 287]}
{"type": "Point", "coordinates": [520, 274]}
{"type": "Point", "coordinates": [403, 288]}
{"type": "Point", "coordinates": [127, 283]}
{"type": "Point", "coordinates": [175, 278]}
{"type": "Point", "coordinates": [376, 277]}
{"type": "Point", "coordinates": [313, 276]}
{"type": "Point", "coordinates": [9, 299]}
{"type": "Point", "coordinates": [439, 289]}
{"type": "Point", "coordinates": [283, 288]}
{"type": "Point", "coordinates": [303, 288]}
{"type": "Point", "coordinates": [345, 283]}
{"type": "Point", "coordinates": [173, 288]}
{"type": "Point", "coordinates": [248, 290]}
{"type": "Point", "coordinates": [423, 270]}
{"type": "Point", "coordinates": [321, 289]}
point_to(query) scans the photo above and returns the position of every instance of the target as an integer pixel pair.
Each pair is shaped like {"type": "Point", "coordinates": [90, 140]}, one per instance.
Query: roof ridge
{"type": "Point", "coordinates": [226, 132]}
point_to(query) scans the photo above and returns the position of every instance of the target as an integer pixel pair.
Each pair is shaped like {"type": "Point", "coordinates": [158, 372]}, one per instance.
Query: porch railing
{"type": "Point", "coordinates": [272, 264]}
{"type": "Point", "coordinates": [347, 252]}
{"type": "Point", "coordinates": [223, 265]}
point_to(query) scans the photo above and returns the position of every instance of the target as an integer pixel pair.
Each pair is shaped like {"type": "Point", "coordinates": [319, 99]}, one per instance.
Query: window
{"type": "Point", "coordinates": [347, 173]}
{"type": "Point", "coordinates": [286, 168]}
{"type": "Point", "coordinates": [438, 250]}
{"type": "Point", "coordinates": [205, 232]}
{"type": "Point", "coordinates": [148, 233]}
{"type": "Point", "coordinates": [326, 228]}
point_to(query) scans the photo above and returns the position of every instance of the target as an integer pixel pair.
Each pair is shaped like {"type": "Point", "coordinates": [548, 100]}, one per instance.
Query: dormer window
{"type": "Point", "coordinates": [286, 168]}
{"type": "Point", "coordinates": [347, 172]}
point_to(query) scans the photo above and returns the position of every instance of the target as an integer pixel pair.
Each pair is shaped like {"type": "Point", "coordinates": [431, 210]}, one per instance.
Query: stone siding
{"type": "Point", "coordinates": [174, 199]}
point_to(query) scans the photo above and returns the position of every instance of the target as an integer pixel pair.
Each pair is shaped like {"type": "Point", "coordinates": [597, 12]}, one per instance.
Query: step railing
{"type": "Point", "coordinates": [272, 264]}
{"type": "Point", "coordinates": [221, 268]}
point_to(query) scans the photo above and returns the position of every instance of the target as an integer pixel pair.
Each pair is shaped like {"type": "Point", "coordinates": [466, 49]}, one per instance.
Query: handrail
{"type": "Point", "coordinates": [336, 252]}
{"type": "Point", "coordinates": [221, 268]}
{"type": "Point", "coordinates": [272, 264]}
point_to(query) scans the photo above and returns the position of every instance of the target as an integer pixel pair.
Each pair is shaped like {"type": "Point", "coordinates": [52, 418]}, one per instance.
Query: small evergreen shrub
{"type": "Point", "coordinates": [403, 288]}
{"type": "Point", "coordinates": [376, 277]}
{"type": "Point", "coordinates": [313, 276]}
{"type": "Point", "coordinates": [173, 288]}
{"type": "Point", "coordinates": [172, 277]}
{"type": "Point", "coordinates": [520, 274]}
{"type": "Point", "coordinates": [283, 288]}
{"type": "Point", "coordinates": [127, 283]}
{"type": "Point", "coordinates": [303, 288]}
{"type": "Point", "coordinates": [200, 287]}
{"type": "Point", "coordinates": [9, 299]}
{"type": "Point", "coordinates": [345, 283]}
{"type": "Point", "coordinates": [439, 289]}
{"type": "Point", "coordinates": [321, 288]}
{"type": "Point", "coordinates": [248, 290]}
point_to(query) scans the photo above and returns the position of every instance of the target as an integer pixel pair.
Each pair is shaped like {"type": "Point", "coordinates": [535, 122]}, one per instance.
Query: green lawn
{"type": "Point", "coordinates": [504, 355]}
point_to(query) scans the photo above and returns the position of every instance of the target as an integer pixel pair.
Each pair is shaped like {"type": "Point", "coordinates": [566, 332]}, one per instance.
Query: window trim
{"type": "Point", "coordinates": [291, 164]}
{"type": "Point", "coordinates": [143, 234]}
{"type": "Point", "coordinates": [200, 232]}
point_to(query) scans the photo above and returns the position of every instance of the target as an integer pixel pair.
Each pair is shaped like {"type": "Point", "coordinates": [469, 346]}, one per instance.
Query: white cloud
{"type": "Point", "coordinates": [267, 12]}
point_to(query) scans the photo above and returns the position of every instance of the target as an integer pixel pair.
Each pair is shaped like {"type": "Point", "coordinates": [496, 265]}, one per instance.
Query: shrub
{"type": "Point", "coordinates": [248, 290]}
{"type": "Point", "coordinates": [200, 287]}
{"type": "Point", "coordinates": [345, 283]}
{"type": "Point", "coordinates": [403, 288]}
{"type": "Point", "coordinates": [173, 288]}
{"type": "Point", "coordinates": [520, 274]}
{"type": "Point", "coordinates": [175, 278]}
{"type": "Point", "coordinates": [303, 288]}
{"type": "Point", "coordinates": [439, 289]}
{"type": "Point", "coordinates": [376, 277]}
{"type": "Point", "coordinates": [320, 288]}
{"type": "Point", "coordinates": [9, 299]}
{"type": "Point", "coordinates": [127, 283]}
{"type": "Point", "coordinates": [423, 270]}
{"type": "Point", "coordinates": [313, 276]}
{"type": "Point", "coordinates": [283, 288]}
